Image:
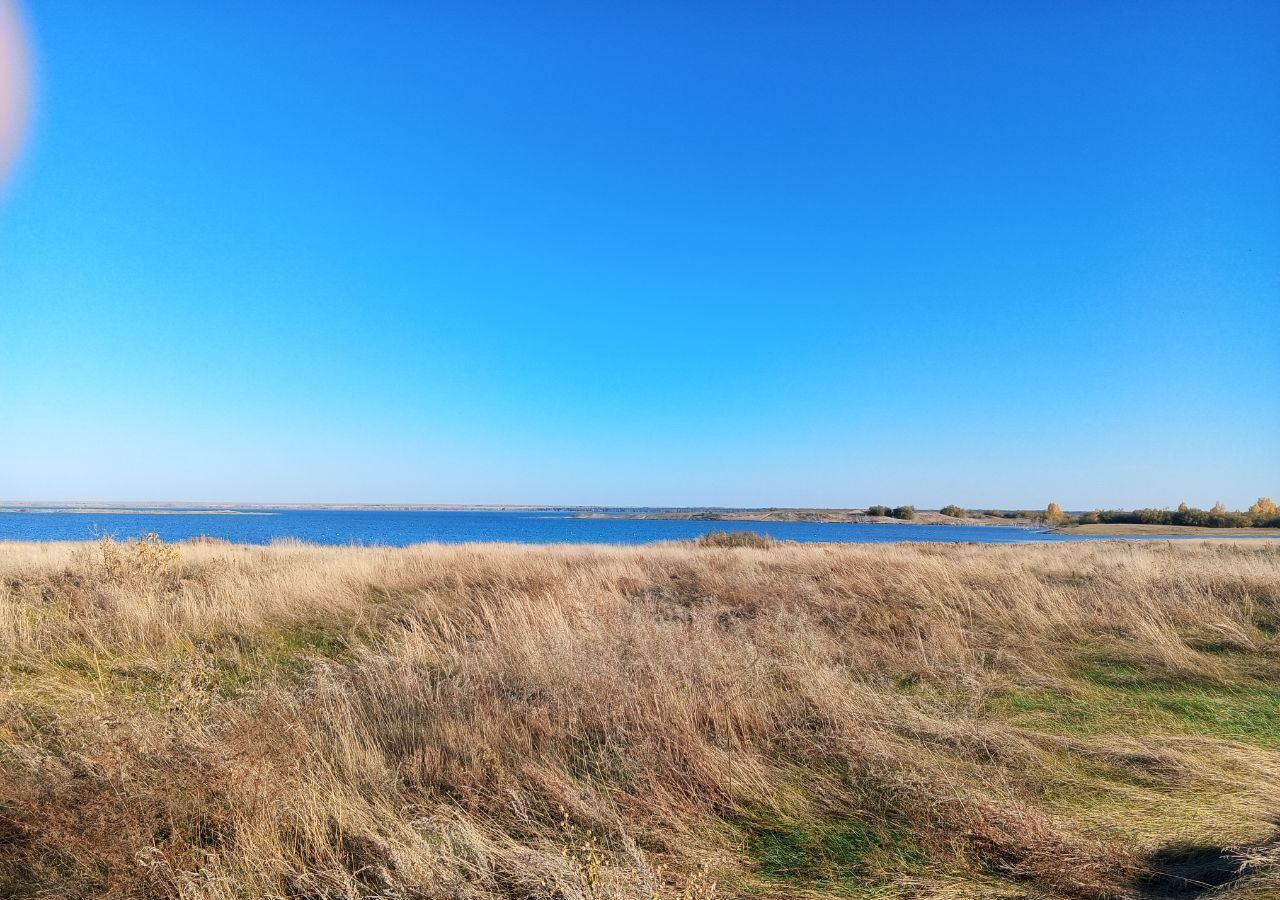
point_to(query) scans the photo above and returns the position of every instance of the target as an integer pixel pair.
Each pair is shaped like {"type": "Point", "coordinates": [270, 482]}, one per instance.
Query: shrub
{"type": "Point", "coordinates": [955, 512]}
{"type": "Point", "coordinates": [736, 539]}
{"type": "Point", "coordinates": [903, 512]}
{"type": "Point", "coordinates": [878, 511]}
{"type": "Point", "coordinates": [138, 562]}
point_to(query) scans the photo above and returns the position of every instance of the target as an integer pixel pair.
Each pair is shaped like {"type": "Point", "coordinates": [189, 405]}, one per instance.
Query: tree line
{"type": "Point", "coordinates": [1263, 514]}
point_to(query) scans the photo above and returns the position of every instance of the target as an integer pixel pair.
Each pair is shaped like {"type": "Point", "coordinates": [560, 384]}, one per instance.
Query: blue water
{"type": "Point", "coordinates": [400, 527]}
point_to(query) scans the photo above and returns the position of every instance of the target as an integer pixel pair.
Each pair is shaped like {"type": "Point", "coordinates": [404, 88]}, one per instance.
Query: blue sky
{"type": "Point", "coordinates": [712, 253]}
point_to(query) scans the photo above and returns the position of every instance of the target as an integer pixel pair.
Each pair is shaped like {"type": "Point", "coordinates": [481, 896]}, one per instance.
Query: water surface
{"type": "Point", "coordinates": [397, 528]}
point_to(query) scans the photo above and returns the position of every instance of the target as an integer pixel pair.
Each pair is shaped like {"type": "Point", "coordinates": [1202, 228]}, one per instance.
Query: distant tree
{"type": "Point", "coordinates": [1221, 517]}
{"type": "Point", "coordinates": [1053, 513]}
{"type": "Point", "coordinates": [878, 510]}
{"type": "Point", "coordinates": [1265, 513]}
{"type": "Point", "coordinates": [903, 512]}
{"type": "Point", "coordinates": [1265, 508]}
{"type": "Point", "coordinates": [1189, 515]}
{"type": "Point", "coordinates": [955, 512]}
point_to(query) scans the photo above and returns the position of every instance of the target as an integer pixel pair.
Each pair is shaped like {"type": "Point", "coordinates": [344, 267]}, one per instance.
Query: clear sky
{"type": "Point", "coordinates": [649, 253]}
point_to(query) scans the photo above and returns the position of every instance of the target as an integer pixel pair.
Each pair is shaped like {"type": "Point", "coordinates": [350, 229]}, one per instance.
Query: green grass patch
{"type": "Point", "coordinates": [845, 855]}
{"type": "Point", "coordinates": [1109, 697]}
{"type": "Point", "coordinates": [224, 666]}
{"type": "Point", "coordinates": [310, 642]}
{"type": "Point", "coordinates": [233, 667]}
{"type": "Point", "coordinates": [1054, 711]}
{"type": "Point", "coordinates": [1245, 710]}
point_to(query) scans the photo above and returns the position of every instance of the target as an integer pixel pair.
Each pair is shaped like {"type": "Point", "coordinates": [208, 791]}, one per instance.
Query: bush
{"type": "Point", "coordinates": [736, 539]}
{"type": "Point", "coordinates": [878, 511]}
{"type": "Point", "coordinates": [955, 512]}
{"type": "Point", "coordinates": [136, 563]}
{"type": "Point", "coordinates": [903, 512]}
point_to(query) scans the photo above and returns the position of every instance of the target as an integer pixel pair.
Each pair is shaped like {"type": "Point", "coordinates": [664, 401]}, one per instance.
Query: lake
{"type": "Point", "coordinates": [398, 528]}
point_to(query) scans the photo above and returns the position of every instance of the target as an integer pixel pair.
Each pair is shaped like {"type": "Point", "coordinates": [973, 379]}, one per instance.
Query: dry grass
{"type": "Point", "coordinates": [668, 721]}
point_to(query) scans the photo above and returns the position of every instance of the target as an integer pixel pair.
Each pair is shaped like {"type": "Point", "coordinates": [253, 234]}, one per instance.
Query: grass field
{"type": "Point", "coordinates": [1085, 720]}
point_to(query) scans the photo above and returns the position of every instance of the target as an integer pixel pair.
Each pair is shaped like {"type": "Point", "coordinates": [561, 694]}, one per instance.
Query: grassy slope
{"type": "Point", "coordinates": [665, 721]}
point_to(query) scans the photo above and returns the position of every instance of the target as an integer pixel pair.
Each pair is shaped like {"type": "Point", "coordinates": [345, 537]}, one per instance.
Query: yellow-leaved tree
{"type": "Point", "coordinates": [1265, 508]}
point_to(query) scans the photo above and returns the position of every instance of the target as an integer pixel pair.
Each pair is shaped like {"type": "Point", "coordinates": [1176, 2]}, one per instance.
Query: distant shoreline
{"type": "Point", "coordinates": [256, 508]}
{"type": "Point", "coordinates": [851, 516]}
{"type": "Point", "coordinates": [125, 511]}
{"type": "Point", "coordinates": [1166, 530]}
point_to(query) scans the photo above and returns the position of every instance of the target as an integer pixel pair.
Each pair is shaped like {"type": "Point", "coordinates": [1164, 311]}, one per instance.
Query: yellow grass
{"type": "Point", "coordinates": [668, 721]}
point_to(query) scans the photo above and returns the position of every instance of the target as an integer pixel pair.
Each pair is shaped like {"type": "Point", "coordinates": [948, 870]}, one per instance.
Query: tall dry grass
{"type": "Point", "coordinates": [668, 721]}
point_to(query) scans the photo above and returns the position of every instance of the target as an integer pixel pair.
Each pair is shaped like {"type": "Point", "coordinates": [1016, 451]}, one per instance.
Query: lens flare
{"type": "Point", "coordinates": [15, 82]}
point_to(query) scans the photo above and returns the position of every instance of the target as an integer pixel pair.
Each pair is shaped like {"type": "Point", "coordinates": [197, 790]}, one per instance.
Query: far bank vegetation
{"type": "Point", "coordinates": [1262, 514]}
